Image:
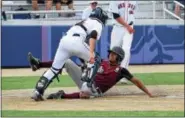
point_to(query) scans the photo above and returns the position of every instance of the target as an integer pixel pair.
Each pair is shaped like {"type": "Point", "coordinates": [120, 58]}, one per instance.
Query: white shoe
{"type": "Point", "coordinates": [123, 81]}
{"type": "Point", "coordinates": [37, 96]}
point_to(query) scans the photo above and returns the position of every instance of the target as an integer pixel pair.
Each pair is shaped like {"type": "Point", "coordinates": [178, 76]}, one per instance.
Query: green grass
{"type": "Point", "coordinates": [90, 113]}
{"type": "Point", "coordinates": [9, 83]}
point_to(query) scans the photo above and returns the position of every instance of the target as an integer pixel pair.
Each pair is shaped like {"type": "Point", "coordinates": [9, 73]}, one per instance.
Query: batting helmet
{"type": "Point", "coordinates": [99, 14]}
{"type": "Point", "coordinates": [119, 51]}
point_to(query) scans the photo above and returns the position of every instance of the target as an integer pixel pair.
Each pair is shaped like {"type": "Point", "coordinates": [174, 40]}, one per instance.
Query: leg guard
{"type": "Point", "coordinates": [40, 87]}
{"type": "Point", "coordinates": [43, 83]}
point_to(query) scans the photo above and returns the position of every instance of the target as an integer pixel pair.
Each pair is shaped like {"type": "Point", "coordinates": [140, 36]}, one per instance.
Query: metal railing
{"type": "Point", "coordinates": [165, 10]}
{"type": "Point", "coordinates": [24, 3]}
{"type": "Point", "coordinates": [105, 3]}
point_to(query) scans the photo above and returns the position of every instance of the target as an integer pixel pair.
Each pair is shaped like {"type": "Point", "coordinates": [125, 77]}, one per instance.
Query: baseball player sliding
{"type": "Point", "coordinates": [74, 44]}
{"type": "Point", "coordinates": [122, 32]}
{"type": "Point", "coordinates": [96, 80]}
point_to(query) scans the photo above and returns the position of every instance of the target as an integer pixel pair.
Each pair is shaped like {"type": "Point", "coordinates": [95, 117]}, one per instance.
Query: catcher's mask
{"type": "Point", "coordinates": [120, 53]}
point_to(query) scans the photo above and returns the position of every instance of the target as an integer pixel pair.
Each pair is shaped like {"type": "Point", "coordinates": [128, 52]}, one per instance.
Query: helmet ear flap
{"type": "Point", "coordinates": [119, 59]}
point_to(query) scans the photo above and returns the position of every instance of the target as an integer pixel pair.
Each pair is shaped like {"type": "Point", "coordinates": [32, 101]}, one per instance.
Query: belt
{"type": "Point", "coordinates": [130, 23]}
{"type": "Point", "coordinates": [75, 34]}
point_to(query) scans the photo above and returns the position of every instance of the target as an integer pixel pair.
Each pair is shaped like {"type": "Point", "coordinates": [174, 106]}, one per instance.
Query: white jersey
{"type": "Point", "coordinates": [74, 43]}
{"type": "Point", "coordinates": [90, 24]}
{"type": "Point", "coordinates": [126, 9]}
{"type": "Point", "coordinates": [86, 13]}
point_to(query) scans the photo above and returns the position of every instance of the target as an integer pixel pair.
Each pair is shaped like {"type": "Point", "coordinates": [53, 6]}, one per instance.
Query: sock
{"type": "Point", "coordinates": [72, 95]}
{"type": "Point", "coordinates": [46, 64]}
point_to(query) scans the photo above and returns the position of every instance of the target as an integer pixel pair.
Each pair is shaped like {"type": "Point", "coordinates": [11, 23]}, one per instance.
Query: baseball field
{"type": "Point", "coordinates": [164, 81]}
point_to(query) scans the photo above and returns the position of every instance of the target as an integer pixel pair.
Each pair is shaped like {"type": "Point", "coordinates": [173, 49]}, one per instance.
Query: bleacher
{"type": "Point", "coordinates": [147, 10]}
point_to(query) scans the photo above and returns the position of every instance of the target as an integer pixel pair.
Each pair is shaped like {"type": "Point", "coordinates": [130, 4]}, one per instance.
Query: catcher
{"type": "Point", "coordinates": [93, 81]}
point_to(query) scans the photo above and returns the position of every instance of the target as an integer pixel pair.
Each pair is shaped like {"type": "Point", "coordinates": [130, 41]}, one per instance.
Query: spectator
{"type": "Point", "coordinates": [49, 4]}
{"type": "Point", "coordinates": [69, 3]}
{"type": "Point", "coordinates": [88, 10]}
{"type": "Point", "coordinates": [59, 3]}
{"type": "Point", "coordinates": [3, 14]}
{"type": "Point", "coordinates": [177, 8]}
{"type": "Point", "coordinates": [35, 6]}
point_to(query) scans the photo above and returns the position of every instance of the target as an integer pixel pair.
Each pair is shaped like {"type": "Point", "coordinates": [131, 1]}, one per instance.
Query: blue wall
{"type": "Point", "coordinates": [151, 44]}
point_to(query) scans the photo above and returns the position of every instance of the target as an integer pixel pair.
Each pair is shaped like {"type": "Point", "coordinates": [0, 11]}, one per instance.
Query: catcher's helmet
{"type": "Point", "coordinates": [119, 51]}
{"type": "Point", "coordinates": [99, 14]}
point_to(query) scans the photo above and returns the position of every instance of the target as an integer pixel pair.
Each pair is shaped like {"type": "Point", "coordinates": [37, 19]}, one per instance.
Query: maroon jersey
{"type": "Point", "coordinates": [108, 75]}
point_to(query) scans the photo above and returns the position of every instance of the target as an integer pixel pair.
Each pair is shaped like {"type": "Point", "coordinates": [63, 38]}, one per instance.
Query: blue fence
{"type": "Point", "coordinates": [151, 44]}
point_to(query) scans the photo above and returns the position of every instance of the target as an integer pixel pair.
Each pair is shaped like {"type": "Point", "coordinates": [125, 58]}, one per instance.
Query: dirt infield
{"type": "Point", "coordinates": [171, 98]}
{"type": "Point", "coordinates": [119, 98]}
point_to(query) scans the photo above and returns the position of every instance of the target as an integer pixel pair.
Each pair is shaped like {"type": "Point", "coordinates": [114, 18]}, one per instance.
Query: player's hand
{"type": "Point", "coordinates": [152, 96]}
{"type": "Point", "coordinates": [130, 29]}
{"type": "Point", "coordinates": [92, 58]}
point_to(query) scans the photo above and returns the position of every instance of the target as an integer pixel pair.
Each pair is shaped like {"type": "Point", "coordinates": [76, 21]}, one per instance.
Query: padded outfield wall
{"type": "Point", "coordinates": [152, 44]}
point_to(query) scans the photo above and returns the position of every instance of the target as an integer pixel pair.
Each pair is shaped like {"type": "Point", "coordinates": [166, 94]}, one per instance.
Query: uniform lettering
{"type": "Point", "coordinates": [131, 6]}
{"type": "Point", "coordinates": [131, 12]}
{"type": "Point", "coordinates": [122, 5]}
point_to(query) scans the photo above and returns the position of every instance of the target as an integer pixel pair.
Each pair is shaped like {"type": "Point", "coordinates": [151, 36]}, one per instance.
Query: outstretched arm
{"type": "Point", "coordinates": [125, 73]}
{"type": "Point", "coordinates": [140, 85]}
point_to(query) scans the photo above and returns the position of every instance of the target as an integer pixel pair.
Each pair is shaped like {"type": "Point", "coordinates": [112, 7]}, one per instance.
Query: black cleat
{"type": "Point", "coordinates": [34, 62]}
{"type": "Point", "coordinates": [57, 95]}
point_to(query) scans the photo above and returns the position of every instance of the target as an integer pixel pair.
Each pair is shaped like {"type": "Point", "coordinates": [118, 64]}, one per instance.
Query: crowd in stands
{"type": "Point", "coordinates": [70, 4]}
{"type": "Point", "coordinates": [58, 6]}
{"type": "Point", "coordinates": [49, 3]}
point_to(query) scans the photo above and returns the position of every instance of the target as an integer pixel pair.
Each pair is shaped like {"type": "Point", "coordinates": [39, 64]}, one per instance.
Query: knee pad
{"type": "Point", "coordinates": [43, 82]}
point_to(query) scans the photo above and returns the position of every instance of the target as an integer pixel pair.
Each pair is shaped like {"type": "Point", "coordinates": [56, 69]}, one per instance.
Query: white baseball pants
{"type": "Point", "coordinates": [121, 37]}
{"type": "Point", "coordinates": [69, 46]}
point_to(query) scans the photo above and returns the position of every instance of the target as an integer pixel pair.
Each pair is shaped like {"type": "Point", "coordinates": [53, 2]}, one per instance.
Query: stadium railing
{"type": "Point", "coordinates": [158, 10]}
{"type": "Point", "coordinates": [165, 10]}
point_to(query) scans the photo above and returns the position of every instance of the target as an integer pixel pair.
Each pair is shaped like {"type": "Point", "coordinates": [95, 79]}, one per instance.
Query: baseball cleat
{"type": "Point", "coordinates": [57, 95]}
{"type": "Point", "coordinates": [123, 81]}
{"type": "Point", "coordinates": [34, 62]}
{"type": "Point", "coordinates": [37, 96]}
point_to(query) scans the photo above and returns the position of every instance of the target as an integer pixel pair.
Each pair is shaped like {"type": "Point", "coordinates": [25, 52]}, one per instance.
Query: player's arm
{"type": "Point", "coordinates": [92, 44]}
{"type": "Point", "coordinates": [120, 20]}
{"type": "Point", "coordinates": [137, 82]}
{"type": "Point", "coordinates": [94, 36]}
{"type": "Point", "coordinates": [113, 8]}
{"type": "Point", "coordinates": [140, 85]}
